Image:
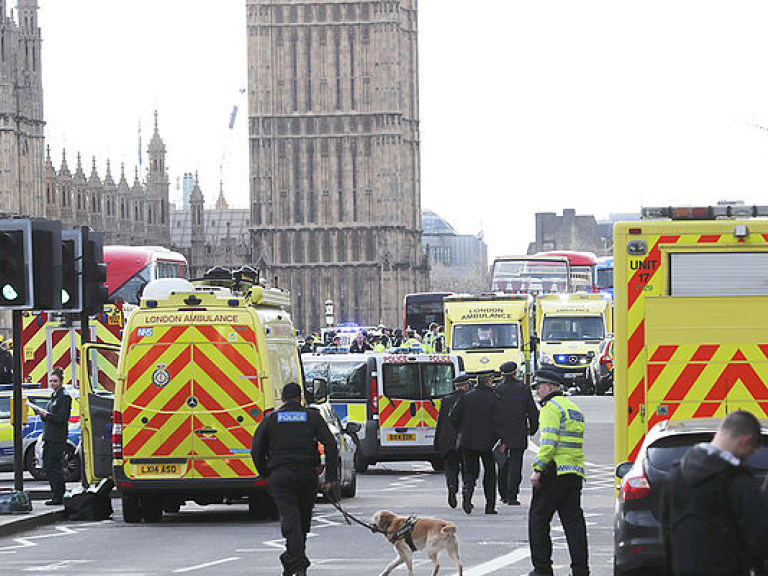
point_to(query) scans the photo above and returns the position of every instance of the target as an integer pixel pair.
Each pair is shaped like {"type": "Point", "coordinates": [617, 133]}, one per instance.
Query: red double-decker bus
{"type": "Point", "coordinates": [130, 268]}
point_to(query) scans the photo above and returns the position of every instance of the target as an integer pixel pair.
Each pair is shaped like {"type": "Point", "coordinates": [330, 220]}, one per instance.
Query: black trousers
{"type": "Point", "coordinates": [452, 463]}
{"type": "Point", "coordinates": [294, 491]}
{"type": "Point", "coordinates": [561, 494]}
{"type": "Point", "coordinates": [471, 470]}
{"type": "Point", "coordinates": [511, 474]}
{"type": "Point", "coordinates": [52, 453]}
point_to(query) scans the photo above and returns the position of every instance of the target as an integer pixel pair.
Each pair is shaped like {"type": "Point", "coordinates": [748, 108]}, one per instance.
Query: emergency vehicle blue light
{"type": "Point", "coordinates": [233, 302]}
{"type": "Point", "coordinates": [151, 303]}
{"type": "Point", "coordinates": [561, 358]}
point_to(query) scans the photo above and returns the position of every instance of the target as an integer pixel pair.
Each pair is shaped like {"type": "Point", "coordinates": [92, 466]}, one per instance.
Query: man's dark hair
{"type": "Point", "coordinates": [742, 423]}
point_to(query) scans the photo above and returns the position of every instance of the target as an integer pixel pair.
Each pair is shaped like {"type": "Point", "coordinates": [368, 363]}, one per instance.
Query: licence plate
{"type": "Point", "coordinates": [401, 437]}
{"type": "Point", "coordinates": [156, 469]}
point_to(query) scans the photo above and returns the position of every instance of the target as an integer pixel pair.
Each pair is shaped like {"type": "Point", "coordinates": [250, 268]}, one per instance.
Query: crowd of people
{"type": "Point", "coordinates": [380, 339]}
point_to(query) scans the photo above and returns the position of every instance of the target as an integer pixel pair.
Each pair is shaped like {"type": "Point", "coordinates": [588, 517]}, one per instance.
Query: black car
{"type": "Point", "coordinates": [638, 547]}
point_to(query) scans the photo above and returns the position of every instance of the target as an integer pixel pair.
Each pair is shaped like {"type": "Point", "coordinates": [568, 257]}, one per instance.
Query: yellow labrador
{"type": "Point", "coordinates": [430, 534]}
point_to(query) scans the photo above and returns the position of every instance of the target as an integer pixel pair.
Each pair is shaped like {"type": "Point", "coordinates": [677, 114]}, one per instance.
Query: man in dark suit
{"type": "Point", "coordinates": [473, 415]}
{"type": "Point", "coordinates": [55, 431]}
{"type": "Point", "coordinates": [517, 418]}
{"type": "Point", "coordinates": [446, 437]}
{"type": "Point", "coordinates": [6, 364]}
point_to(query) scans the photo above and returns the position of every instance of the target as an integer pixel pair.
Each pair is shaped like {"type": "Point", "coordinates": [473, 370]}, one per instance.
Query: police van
{"type": "Point", "coordinates": [394, 397]}
{"type": "Point", "coordinates": [198, 369]}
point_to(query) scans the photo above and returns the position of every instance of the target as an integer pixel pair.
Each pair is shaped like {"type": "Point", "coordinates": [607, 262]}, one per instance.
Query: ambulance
{"type": "Point", "coordinates": [487, 330]}
{"type": "Point", "coordinates": [393, 398]}
{"type": "Point", "coordinates": [198, 369]}
{"type": "Point", "coordinates": [570, 328]}
{"type": "Point", "coordinates": [691, 292]}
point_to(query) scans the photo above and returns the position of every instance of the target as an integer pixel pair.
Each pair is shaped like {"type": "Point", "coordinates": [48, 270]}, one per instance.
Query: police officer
{"type": "Point", "coordinates": [473, 416]}
{"type": "Point", "coordinates": [446, 437]}
{"type": "Point", "coordinates": [558, 474]}
{"type": "Point", "coordinates": [411, 341]}
{"type": "Point", "coordinates": [309, 345]}
{"type": "Point", "coordinates": [517, 418]}
{"type": "Point", "coordinates": [285, 451]}
{"type": "Point", "coordinates": [55, 431]}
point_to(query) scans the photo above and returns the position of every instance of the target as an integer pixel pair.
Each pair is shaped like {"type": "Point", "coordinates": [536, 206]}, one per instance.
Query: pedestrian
{"type": "Point", "coordinates": [285, 451]}
{"type": "Point", "coordinates": [55, 431]}
{"type": "Point", "coordinates": [714, 519]}
{"type": "Point", "coordinates": [517, 418]}
{"type": "Point", "coordinates": [309, 345]}
{"type": "Point", "coordinates": [558, 474]}
{"type": "Point", "coordinates": [473, 416]}
{"type": "Point", "coordinates": [360, 345]}
{"type": "Point", "coordinates": [6, 363]}
{"type": "Point", "coordinates": [446, 437]}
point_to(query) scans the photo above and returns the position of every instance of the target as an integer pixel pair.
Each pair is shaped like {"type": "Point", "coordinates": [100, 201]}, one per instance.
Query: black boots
{"type": "Point", "coordinates": [466, 502]}
{"type": "Point", "coordinates": [452, 497]}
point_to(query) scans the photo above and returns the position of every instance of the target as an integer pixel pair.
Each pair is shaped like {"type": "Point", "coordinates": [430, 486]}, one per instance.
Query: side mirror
{"type": "Point", "coordinates": [590, 354]}
{"type": "Point", "coordinates": [316, 391]}
{"type": "Point", "coordinates": [353, 427]}
{"type": "Point", "coordinates": [623, 468]}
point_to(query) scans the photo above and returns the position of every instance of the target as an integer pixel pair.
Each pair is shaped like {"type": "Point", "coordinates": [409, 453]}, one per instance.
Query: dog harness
{"type": "Point", "coordinates": [406, 533]}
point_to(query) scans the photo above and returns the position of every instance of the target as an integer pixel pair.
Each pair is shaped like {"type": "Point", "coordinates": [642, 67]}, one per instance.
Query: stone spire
{"type": "Point", "coordinates": [221, 202]}
{"type": "Point", "coordinates": [93, 179]}
{"type": "Point", "coordinates": [108, 181]}
{"type": "Point", "coordinates": [64, 170]}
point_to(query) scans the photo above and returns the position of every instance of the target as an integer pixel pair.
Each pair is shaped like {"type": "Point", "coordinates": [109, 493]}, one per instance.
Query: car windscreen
{"type": "Point", "coordinates": [437, 379]}
{"type": "Point", "coordinates": [347, 380]}
{"type": "Point", "coordinates": [478, 336]}
{"type": "Point", "coordinates": [572, 328]}
{"type": "Point", "coordinates": [666, 451]}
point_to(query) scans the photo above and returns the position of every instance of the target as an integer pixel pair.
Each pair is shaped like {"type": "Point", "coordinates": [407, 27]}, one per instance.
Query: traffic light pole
{"type": "Point", "coordinates": [18, 457]}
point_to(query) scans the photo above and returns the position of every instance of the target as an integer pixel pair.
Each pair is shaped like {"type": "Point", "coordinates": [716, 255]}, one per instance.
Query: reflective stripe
{"type": "Point", "coordinates": [560, 443]}
{"type": "Point", "coordinates": [562, 432]}
{"type": "Point", "coordinates": [539, 463]}
{"type": "Point", "coordinates": [571, 468]}
{"type": "Point", "coordinates": [562, 413]}
{"type": "Point", "coordinates": [548, 442]}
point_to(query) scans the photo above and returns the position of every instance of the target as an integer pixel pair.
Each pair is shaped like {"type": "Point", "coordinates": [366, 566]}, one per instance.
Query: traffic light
{"type": "Point", "coordinates": [94, 272]}
{"type": "Point", "coordinates": [16, 281]}
{"type": "Point", "coordinates": [71, 271]}
{"type": "Point", "coordinates": [46, 264]}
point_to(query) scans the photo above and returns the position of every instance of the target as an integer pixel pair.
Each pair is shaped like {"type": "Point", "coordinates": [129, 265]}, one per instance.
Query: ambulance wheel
{"type": "Point", "coordinates": [349, 490]}
{"type": "Point", "coordinates": [361, 464]}
{"type": "Point", "coordinates": [37, 472]}
{"type": "Point", "coordinates": [131, 509]}
{"type": "Point", "coordinates": [151, 508]}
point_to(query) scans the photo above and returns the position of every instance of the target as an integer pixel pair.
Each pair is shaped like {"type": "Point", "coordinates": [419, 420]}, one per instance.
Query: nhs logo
{"type": "Point", "coordinates": [291, 416]}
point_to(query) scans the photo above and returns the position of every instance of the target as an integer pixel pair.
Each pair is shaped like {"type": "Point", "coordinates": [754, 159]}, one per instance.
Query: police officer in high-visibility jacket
{"type": "Point", "coordinates": [285, 451]}
{"type": "Point", "coordinates": [558, 474]}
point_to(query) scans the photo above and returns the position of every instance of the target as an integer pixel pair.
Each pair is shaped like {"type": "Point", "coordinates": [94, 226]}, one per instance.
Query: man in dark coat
{"type": "Point", "coordinates": [55, 431]}
{"type": "Point", "coordinates": [473, 416]}
{"type": "Point", "coordinates": [713, 517]}
{"type": "Point", "coordinates": [6, 364]}
{"type": "Point", "coordinates": [517, 418]}
{"type": "Point", "coordinates": [446, 437]}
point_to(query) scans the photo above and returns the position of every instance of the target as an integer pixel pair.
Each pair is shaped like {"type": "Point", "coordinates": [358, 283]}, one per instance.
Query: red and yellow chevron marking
{"type": "Point", "coordinates": [397, 413]}
{"type": "Point", "coordinates": [214, 366]}
{"type": "Point", "coordinates": [683, 381]}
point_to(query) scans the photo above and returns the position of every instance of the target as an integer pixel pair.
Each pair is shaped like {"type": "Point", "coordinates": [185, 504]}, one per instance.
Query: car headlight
{"type": "Point", "coordinates": [546, 359]}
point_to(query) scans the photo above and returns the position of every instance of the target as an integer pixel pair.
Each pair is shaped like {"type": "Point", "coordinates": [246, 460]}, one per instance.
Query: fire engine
{"type": "Point", "coordinates": [691, 302]}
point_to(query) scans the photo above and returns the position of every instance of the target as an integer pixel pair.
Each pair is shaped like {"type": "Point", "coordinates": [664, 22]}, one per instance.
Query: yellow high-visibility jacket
{"type": "Point", "coordinates": [562, 436]}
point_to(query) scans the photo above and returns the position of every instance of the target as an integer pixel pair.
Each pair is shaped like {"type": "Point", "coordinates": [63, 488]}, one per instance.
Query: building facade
{"type": "Point", "coordinates": [568, 232]}
{"type": "Point", "coordinates": [22, 145]}
{"type": "Point", "coordinates": [131, 212]}
{"type": "Point", "coordinates": [458, 262]}
{"type": "Point", "coordinates": [334, 155]}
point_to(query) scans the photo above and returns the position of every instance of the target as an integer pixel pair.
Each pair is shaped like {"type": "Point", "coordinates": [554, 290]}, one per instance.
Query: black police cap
{"type": "Point", "coordinates": [291, 390]}
{"type": "Point", "coordinates": [549, 377]}
{"type": "Point", "coordinates": [508, 368]}
{"type": "Point", "coordinates": [461, 379]}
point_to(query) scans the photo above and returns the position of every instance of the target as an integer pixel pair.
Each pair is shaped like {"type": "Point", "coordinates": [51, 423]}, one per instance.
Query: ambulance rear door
{"type": "Point", "coordinates": [98, 379]}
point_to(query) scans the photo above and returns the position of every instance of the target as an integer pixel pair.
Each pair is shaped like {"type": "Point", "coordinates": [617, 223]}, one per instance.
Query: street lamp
{"type": "Point", "coordinates": [329, 320]}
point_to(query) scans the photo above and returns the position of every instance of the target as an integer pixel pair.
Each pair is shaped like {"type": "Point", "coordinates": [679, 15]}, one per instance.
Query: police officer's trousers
{"type": "Point", "coordinates": [511, 474]}
{"type": "Point", "coordinates": [452, 463]}
{"type": "Point", "coordinates": [52, 453]}
{"type": "Point", "coordinates": [561, 494]}
{"type": "Point", "coordinates": [471, 470]}
{"type": "Point", "coordinates": [294, 491]}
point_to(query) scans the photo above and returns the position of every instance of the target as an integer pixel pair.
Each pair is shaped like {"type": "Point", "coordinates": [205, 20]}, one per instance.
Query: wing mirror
{"type": "Point", "coordinates": [623, 468]}
{"type": "Point", "coordinates": [316, 391]}
{"type": "Point", "coordinates": [353, 428]}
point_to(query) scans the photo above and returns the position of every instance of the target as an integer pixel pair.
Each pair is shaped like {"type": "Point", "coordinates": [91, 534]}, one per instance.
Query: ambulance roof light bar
{"type": "Point", "coordinates": [704, 212]}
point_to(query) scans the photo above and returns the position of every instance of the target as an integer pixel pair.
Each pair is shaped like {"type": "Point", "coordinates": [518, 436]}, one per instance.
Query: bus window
{"type": "Point", "coordinates": [130, 291]}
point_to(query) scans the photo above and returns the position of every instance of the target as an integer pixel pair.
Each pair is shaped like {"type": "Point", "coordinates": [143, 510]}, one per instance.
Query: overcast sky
{"type": "Point", "coordinates": [601, 106]}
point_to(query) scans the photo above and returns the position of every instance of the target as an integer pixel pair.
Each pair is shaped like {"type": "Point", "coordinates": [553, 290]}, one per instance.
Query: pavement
{"type": "Point", "coordinates": [41, 515]}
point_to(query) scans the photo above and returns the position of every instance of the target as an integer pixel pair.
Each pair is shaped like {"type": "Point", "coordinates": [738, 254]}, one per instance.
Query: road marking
{"type": "Point", "coordinates": [491, 566]}
{"type": "Point", "coordinates": [56, 566]}
{"type": "Point", "coordinates": [28, 542]}
{"type": "Point", "coordinates": [206, 565]}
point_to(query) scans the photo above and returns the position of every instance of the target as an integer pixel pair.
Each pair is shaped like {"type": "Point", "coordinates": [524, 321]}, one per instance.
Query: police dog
{"type": "Point", "coordinates": [430, 534]}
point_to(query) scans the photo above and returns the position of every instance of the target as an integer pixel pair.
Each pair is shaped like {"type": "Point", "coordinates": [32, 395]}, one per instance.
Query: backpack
{"type": "Point", "coordinates": [91, 504]}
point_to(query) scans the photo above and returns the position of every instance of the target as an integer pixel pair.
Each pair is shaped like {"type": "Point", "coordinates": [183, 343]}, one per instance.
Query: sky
{"type": "Point", "coordinates": [525, 107]}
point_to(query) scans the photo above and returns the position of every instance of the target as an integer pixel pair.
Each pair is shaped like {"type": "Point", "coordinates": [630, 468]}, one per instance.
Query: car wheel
{"type": "Point", "coordinates": [349, 490]}
{"type": "Point", "coordinates": [131, 509]}
{"type": "Point", "coordinates": [70, 462]}
{"type": "Point", "coordinates": [361, 464]}
{"type": "Point", "coordinates": [151, 506]}
{"type": "Point", "coordinates": [37, 472]}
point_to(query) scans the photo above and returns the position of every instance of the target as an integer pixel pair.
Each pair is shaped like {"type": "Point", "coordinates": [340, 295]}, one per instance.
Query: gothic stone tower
{"type": "Point", "coordinates": [22, 147]}
{"type": "Point", "coordinates": [334, 153]}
